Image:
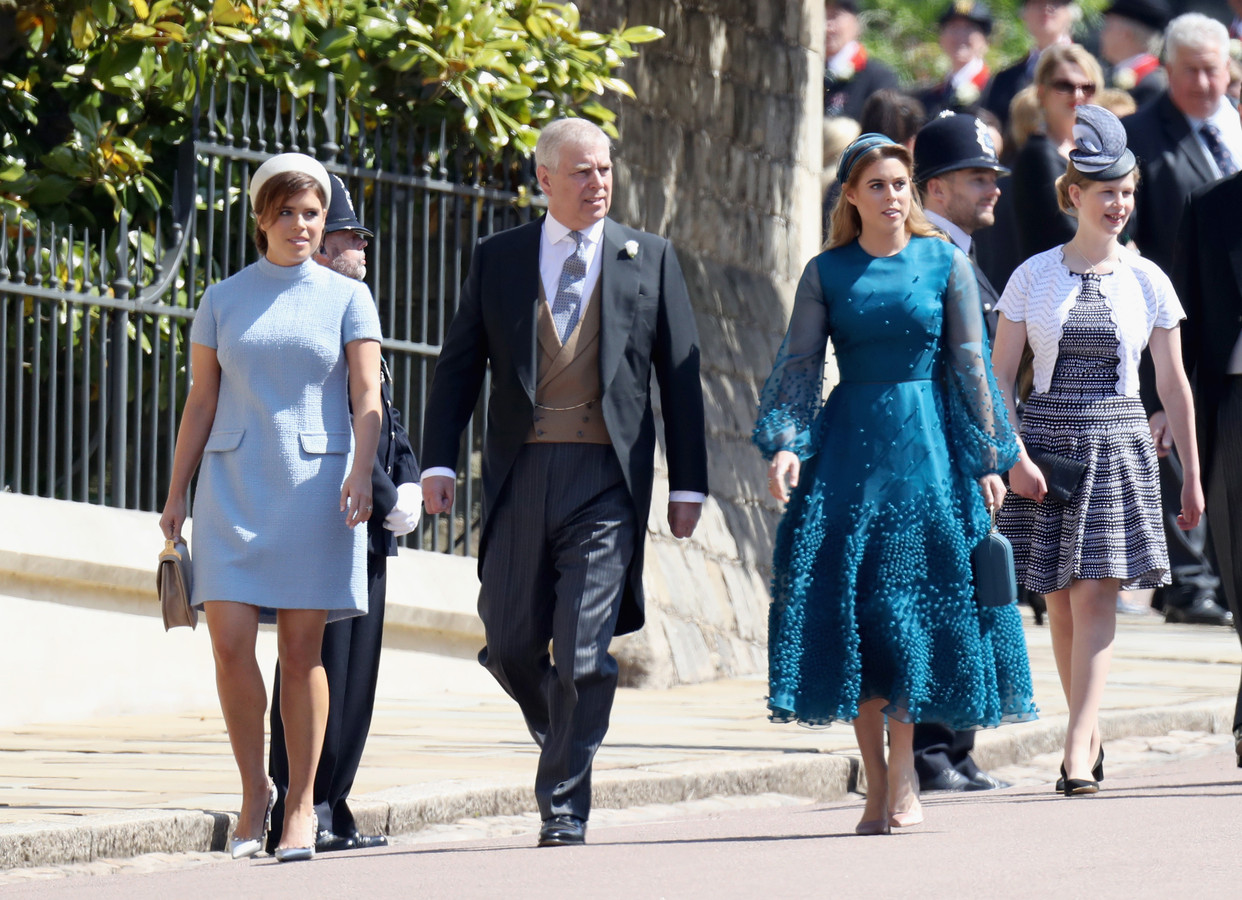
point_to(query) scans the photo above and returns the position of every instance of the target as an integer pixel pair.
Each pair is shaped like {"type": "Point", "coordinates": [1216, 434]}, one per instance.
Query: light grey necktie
{"type": "Point", "coordinates": [568, 303]}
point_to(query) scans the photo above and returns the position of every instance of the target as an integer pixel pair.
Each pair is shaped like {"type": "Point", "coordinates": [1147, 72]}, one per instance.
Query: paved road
{"type": "Point", "coordinates": [1167, 825]}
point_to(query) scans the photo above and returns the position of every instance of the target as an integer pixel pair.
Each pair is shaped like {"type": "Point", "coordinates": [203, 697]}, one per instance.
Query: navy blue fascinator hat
{"type": "Point", "coordinates": [1100, 152]}
{"type": "Point", "coordinates": [857, 150]}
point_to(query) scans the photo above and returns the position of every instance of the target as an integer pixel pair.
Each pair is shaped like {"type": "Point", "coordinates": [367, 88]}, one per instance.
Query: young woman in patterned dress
{"type": "Point", "coordinates": [1088, 308]}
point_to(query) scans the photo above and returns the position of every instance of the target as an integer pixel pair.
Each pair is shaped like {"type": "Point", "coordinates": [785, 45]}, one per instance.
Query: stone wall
{"type": "Point", "coordinates": [720, 153]}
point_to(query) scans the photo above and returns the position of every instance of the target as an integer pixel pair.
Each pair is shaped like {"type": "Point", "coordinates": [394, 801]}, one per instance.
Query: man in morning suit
{"type": "Point", "coordinates": [572, 313]}
{"type": "Point", "coordinates": [965, 26]}
{"type": "Point", "coordinates": [850, 74]}
{"type": "Point", "coordinates": [1130, 41]}
{"type": "Point", "coordinates": [1187, 137]}
{"type": "Point", "coordinates": [1048, 22]}
{"type": "Point", "coordinates": [955, 168]}
{"type": "Point", "coordinates": [351, 647]}
{"type": "Point", "coordinates": [1208, 277]}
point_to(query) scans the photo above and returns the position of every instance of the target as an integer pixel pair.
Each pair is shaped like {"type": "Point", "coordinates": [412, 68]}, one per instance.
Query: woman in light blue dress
{"type": "Point", "coordinates": [279, 351]}
{"type": "Point", "coordinates": [873, 611]}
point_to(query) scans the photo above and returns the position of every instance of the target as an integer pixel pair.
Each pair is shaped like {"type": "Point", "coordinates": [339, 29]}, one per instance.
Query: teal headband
{"type": "Point", "coordinates": [857, 150]}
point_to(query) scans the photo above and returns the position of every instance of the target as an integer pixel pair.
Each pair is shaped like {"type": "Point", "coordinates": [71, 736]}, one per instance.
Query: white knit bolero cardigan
{"type": "Point", "coordinates": [1139, 295]}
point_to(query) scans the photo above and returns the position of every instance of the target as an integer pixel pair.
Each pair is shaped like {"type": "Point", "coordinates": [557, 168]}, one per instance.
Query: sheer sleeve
{"type": "Point", "coordinates": [981, 440]}
{"type": "Point", "coordinates": [793, 393]}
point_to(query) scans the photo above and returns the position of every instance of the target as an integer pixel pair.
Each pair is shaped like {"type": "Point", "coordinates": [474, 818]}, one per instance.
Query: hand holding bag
{"type": "Point", "coordinates": [173, 582]}
{"type": "Point", "coordinates": [1061, 473]}
{"type": "Point", "coordinates": [996, 582]}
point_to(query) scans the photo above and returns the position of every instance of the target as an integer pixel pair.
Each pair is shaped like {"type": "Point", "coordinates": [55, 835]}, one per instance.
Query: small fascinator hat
{"type": "Point", "coordinates": [863, 145]}
{"type": "Point", "coordinates": [1100, 152]}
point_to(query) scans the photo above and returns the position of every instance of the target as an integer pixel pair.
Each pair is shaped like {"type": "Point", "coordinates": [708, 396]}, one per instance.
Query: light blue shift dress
{"type": "Point", "coordinates": [268, 529]}
{"type": "Point", "coordinates": [872, 589]}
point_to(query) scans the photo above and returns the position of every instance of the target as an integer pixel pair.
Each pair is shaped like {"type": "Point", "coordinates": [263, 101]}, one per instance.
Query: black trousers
{"type": "Point", "coordinates": [560, 543]}
{"type": "Point", "coordinates": [1192, 568]}
{"type": "Point", "coordinates": [1224, 498]}
{"type": "Point", "coordinates": [351, 654]}
{"type": "Point", "coordinates": [938, 747]}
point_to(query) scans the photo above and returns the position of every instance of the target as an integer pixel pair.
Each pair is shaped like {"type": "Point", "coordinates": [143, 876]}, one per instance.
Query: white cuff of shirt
{"type": "Point", "coordinates": [441, 471]}
{"type": "Point", "coordinates": [686, 497]}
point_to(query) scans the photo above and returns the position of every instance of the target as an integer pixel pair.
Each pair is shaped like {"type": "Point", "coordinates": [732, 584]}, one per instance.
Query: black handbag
{"type": "Point", "coordinates": [173, 583]}
{"type": "Point", "coordinates": [1061, 473]}
{"type": "Point", "coordinates": [996, 582]}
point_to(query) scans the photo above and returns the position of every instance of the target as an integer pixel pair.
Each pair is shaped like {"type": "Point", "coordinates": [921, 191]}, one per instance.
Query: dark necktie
{"type": "Point", "coordinates": [1216, 146]}
{"type": "Point", "coordinates": [568, 303]}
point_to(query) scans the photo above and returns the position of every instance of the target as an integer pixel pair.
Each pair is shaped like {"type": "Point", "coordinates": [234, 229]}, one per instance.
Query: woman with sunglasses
{"type": "Point", "coordinates": [873, 607]}
{"type": "Point", "coordinates": [1066, 76]}
{"type": "Point", "coordinates": [1083, 511]}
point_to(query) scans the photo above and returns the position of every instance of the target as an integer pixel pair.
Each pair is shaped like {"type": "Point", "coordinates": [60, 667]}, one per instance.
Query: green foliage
{"type": "Point", "coordinates": [904, 34]}
{"type": "Point", "coordinates": [98, 92]}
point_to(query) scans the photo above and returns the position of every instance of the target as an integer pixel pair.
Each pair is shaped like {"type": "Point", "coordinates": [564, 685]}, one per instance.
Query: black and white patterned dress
{"type": "Point", "coordinates": [1111, 526]}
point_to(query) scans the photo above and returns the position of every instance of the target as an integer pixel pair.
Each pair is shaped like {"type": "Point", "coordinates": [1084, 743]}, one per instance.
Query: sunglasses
{"type": "Point", "coordinates": [1070, 88]}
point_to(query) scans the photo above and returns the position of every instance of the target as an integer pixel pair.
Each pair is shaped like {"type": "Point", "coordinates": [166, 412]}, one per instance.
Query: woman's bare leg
{"type": "Point", "coordinates": [304, 712]}
{"type": "Point", "coordinates": [903, 782]}
{"type": "Point", "coordinates": [1093, 604]}
{"type": "Point", "coordinates": [869, 731]}
{"type": "Point", "coordinates": [243, 701]}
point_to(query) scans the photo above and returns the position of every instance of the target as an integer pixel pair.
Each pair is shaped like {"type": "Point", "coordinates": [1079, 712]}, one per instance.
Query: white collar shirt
{"type": "Point", "coordinates": [956, 235]}
{"type": "Point", "coordinates": [1227, 122]}
{"type": "Point", "coordinates": [556, 245]}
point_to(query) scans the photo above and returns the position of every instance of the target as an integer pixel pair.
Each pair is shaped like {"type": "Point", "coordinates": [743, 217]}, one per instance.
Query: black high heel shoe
{"type": "Point", "coordinates": [1075, 787]}
{"type": "Point", "coordinates": [1097, 771]}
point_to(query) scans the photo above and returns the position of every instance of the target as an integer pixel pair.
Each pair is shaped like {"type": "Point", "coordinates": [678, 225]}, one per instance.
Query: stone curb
{"type": "Point", "coordinates": [821, 777]}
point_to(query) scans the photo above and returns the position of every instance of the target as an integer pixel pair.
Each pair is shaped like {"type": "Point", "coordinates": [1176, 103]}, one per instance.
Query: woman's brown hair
{"type": "Point", "coordinates": [1074, 176]}
{"type": "Point", "coordinates": [845, 224]}
{"type": "Point", "coordinates": [272, 196]}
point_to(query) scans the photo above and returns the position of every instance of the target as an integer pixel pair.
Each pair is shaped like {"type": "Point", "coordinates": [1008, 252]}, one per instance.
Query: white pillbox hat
{"type": "Point", "coordinates": [290, 162]}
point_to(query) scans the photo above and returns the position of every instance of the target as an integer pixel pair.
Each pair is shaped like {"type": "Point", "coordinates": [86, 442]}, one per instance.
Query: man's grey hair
{"type": "Point", "coordinates": [1197, 32]}
{"type": "Point", "coordinates": [558, 133]}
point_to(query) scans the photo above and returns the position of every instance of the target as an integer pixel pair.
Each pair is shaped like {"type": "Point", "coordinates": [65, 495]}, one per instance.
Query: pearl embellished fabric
{"type": "Point", "coordinates": [872, 592]}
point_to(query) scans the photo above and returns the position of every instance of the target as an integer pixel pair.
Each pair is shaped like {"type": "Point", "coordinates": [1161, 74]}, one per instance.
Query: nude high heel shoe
{"type": "Point", "coordinates": [300, 854]}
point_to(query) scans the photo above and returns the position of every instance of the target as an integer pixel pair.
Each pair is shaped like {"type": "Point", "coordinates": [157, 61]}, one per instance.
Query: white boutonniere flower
{"type": "Point", "coordinates": [843, 70]}
{"type": "Point", "coordinates": [1125, 79]}
{"type": "Point", "coordinates": [631, 249]}
{"type": "Point", "coordinates": [966, 94]}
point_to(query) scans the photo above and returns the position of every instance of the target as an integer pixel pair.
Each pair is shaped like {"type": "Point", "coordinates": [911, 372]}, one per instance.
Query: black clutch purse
{"type": "Point", "coordinates": [1061, 473]}
{"type": "Point", "coordinates": [996, 582]}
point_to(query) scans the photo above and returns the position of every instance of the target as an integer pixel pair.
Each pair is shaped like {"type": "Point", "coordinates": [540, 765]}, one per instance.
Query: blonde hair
{"type": "Point", "coordinates": [1024, 117]}
{"type": "Point", "coordinates": [1074, 176]}
{"type": "Point", "coordinates": [1074, 54]}
{"type": "Point", "coordinates": [846, 225]}
{"type": "Point", "coordinates": [839, 133]}
{"type": "Point", "coordinates": [1116, 101]}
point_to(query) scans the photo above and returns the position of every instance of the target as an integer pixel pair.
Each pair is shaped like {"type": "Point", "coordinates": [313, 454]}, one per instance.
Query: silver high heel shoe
{"type": "Point", "coordinates": [299, 854]}
{"type": "Point", "coordinates": [244, 848]}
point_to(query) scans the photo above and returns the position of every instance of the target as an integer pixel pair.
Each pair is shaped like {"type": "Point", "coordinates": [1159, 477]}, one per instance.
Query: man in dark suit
{"type": "Point", "coordinates": [850, 74]}
{"type": "Point", "coordinates": [351, 647]}
{"type": "Point", "coordinates": [965, 26]}
{"type": "Point", "coordinates": [572, 313]}
{"type": "Point", "coordinates": [1048, 22]}
{"type": "Point", "coordinates": [955, 168]}
{"type": "Point", "coordinates": [1130, 41]}
{"type": "Point", "coordinates": [1187, 137]}
{"type": "Point", "coordinates": [1208, 277]}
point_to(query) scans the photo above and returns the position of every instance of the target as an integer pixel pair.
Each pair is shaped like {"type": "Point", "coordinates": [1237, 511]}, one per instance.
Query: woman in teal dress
{"type": "Point", "coordinates": [888, 487]}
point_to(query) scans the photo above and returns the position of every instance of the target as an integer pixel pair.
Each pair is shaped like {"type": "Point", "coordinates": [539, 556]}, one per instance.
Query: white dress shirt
{"type": "Point", "coordinates": [1227, 122]}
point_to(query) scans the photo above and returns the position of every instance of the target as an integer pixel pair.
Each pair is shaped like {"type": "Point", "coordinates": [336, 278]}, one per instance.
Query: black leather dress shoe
{"type": "Point", "coordinates": [562, 831]}
{"type": "Point", "coordinates": [328, 841]}
{"type": "Point", "coordinates": [945, 780]}
{"type": "Point", "coordinates": [982, 781]}
{"type": "Point", "coordinates": [360, 841]}
{"type": "Point", "coordinates": [1202, 610]}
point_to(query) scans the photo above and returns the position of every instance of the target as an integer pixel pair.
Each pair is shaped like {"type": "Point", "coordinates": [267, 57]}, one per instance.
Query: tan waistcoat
{"type": "Point", "coordinates": [567, 393]}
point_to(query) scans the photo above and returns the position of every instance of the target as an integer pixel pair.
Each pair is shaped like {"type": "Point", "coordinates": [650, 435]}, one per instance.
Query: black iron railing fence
{"type": "Point", "coordinates": [94, 362]}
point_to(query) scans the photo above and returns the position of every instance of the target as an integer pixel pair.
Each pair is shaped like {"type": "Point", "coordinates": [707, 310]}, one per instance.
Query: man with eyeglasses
{"type": "Point", "coordinates": [1048, 22]}
{"type": "Point", "coordinates": [1188, 137]}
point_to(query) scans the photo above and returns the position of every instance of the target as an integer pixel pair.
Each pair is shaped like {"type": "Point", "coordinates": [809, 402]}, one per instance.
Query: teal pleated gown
{"type": "Point", "coordinates": [872, 591]}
